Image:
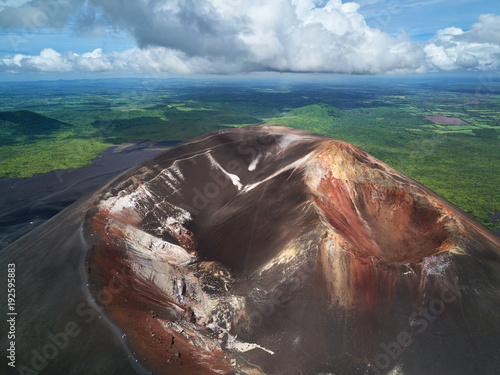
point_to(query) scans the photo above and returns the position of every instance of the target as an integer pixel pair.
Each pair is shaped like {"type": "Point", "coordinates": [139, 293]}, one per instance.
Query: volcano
{"type": "Point", "coordinates": [257, 250]}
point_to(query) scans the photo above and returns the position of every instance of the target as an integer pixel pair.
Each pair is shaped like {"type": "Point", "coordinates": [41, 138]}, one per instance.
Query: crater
{"type": "Point", "coordinates": [375, 209]}
{"type": "Point", "coordinates": [389, 223]}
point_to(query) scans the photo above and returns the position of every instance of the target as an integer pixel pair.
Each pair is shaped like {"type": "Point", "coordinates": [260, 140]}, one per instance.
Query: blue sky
{"type": "Point", "coordinates": [95, 38]}
{"type": "Point", "coordinates": [422, 18]}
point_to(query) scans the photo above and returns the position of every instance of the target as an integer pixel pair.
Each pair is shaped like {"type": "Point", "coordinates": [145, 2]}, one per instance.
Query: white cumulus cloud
{"type": "Point", "coordinates": [52, 61]}
{"type": "Point", "coordinates": [232, 36]}
{"type": "Point", "coordinates": [475, 49]}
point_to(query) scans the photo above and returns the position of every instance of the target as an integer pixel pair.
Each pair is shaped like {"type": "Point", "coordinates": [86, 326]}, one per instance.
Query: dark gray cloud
{"type": "Point", "coordinates": [194, 27]}
{"type": "Point", "coordinates": [39, 14]}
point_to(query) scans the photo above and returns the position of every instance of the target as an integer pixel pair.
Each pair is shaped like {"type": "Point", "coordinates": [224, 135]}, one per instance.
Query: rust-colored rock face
{"type": "Point", "coordinates": [269, 250]}
{"type": "Point", "coordinates": [379, 221]}
{"type": "Point", "coordinates": [388, 221]}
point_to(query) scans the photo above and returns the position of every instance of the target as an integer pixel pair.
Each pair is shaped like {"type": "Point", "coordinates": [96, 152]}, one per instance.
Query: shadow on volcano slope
{"type": "Point", "coordinates": [260, 250]}
{"type": "Point", "coordinates": [28, 202]}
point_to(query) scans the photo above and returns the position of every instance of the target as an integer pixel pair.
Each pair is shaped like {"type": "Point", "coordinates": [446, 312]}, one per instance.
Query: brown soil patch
{"type": "Point", "coordinates": [443, 120]}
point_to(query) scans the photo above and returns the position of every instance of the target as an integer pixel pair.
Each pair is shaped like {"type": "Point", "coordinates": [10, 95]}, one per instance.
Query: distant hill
{"type": "Point", "coordinates": [29, 123]}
